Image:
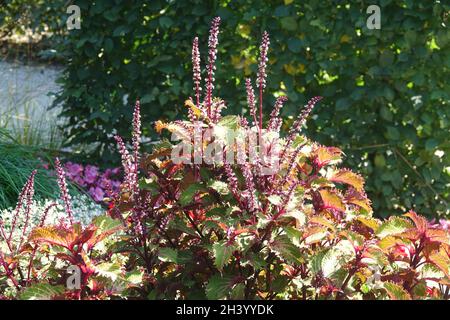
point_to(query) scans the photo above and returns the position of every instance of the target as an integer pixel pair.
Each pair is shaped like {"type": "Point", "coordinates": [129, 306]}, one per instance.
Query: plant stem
{"type": "Point", "coordinates": [260, 109]}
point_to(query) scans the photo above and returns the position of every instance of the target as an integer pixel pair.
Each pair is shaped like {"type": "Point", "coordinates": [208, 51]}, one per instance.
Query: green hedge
{"type": "Point", "coordinates": [386, 91]}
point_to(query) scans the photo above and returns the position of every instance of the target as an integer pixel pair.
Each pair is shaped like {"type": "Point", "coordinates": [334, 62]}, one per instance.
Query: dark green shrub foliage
{"type": "Point", "coordinates": [227, 230]}
{"type": "Point", "coordinates": [386, 91]}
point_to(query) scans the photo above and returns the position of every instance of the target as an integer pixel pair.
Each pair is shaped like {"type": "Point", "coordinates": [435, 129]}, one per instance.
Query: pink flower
{"type": "Point", "coordinates": [196, 69]}
{"type": "Point", "coordinates": [73, 169]}
{"type": "Point", "coordinates": [445, 224]}
{"type": "Point", "coordinates": [104, 182]}
{"type": "Point", "coordinates": [115, 185]}
{"type": "Point", "coordinates": [107, 173]}
{"type": "Point", "coordinates": [97, 193]}
{"type": "Point", "coordinates": [210, 68]}
{"type": "Point", "coordinates": [79, 180]}
{"type": "Point", "coordinates": [90, 174]}
{"type": "Point", "coordinates": [263, 49]}
{"type": "Point", "coordinates": [65, 196]}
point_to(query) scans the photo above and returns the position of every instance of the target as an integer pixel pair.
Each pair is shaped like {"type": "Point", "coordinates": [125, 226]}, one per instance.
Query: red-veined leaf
{"type": "Point", "coordinates": [348, 177]}
{"type": "Point", "coordinates": [359, 199]}
{"type": "Point", "coordinates": [331, 200]}
{"type": "Point", "coordinates": [420, 222]}
{"type": "Point", "coordinates": [396, 292]}
{"type": "Point", "coordinates": [325, 155]}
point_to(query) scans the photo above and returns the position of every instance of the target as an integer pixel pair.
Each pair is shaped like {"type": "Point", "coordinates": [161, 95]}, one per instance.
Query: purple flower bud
{"type": "Point", "coordinates": [217, 106]}
{"type": "Point", "coordinates": [23, 196]}
{"type": "Point", "coordinates": [275, 121]}
{"type": "Point", "coordinates": [65, 196]}
{"type": "Point", "coordinates": [196, 70]}
{"type": "Point", "coordinates": [130, 178]}
{"type": "Point", "coordinates": [136, 134]}
{"type": "Point", "coordinates": [263, 49]}
{"type": "Point", "coordinates": [210, 68]}
{"type": "Point", "coordinates": [249, 183]}
{"type": "Point", "coordinates": [299, 122]}
{"type": "Point", "coordinates": [232, 180]}
{"type": "Point", "coordinates": [251, 99]}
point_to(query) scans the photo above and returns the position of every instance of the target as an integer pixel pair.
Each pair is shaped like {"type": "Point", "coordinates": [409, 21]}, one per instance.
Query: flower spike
{"type": "Point", "coordinates": [65, 196]}
{"type": "Point", "coordinates": [261, 77]}
{"type": "Point", "coordinates": [210, 68]}
{"type": "Point", "coordinates": [197, 77]}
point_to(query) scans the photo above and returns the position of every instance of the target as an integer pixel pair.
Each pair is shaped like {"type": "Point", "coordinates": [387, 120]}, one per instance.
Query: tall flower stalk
{"type": "Point", "coordinates": [136, 142]}
{"type": "Point", "coordinates": [211, 67]}
{"type": "Point", "coordinates": [29, 200]}
{"type": "Point", "coordinates": [275, 121]}
{"type": "Point", "coordinates": [65, 196]}
{"type": "Point", "coordinates": [251, 100]}
{"type": "Point", "coordinates": [20, 202]}
{"type": "Point", "coordinates": [197, 77]}
{"type": "Point", "coordinates": [299, 122]}
{"type": "Point", "coordinates": [261, 76]}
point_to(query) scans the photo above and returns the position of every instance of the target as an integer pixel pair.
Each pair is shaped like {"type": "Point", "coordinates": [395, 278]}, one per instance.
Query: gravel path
{"type": "Point", "coordinates": [25, 92]}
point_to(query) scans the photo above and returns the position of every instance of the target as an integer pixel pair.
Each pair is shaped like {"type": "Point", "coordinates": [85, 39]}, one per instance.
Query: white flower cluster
{"type": "Point", "coordinates": [84, 210]}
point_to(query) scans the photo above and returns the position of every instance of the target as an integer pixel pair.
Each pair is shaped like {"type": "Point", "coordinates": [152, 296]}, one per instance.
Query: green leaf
{"type": "Point", "coordinates": [168, 255]}
{"type": "Point", "coordinates": [380, 161]}
{"type": "Point", "coordinates": [218, 287]}
{"type": "Point", "coordinates": [188, 194]}
{"type": "Point", "coordinates": [335, 258]}
{"type": "Point", "coordinates": [420, 289]}
{"type": "Point", "coordinates": [111, 15]}
{"type": "Point", "coordinates": [285, 249]}
{"type": "Point", "coordinates": [430, 271]}
{"type": "Point", "coordinates": [222, 253]}
{"type": "Point", "coordinates": [394, 225]}
{"type": "Point", "coordinates": [109, 270]}
{"type": "Point", "coordinates": [238, 292]}
{"type": "Point", "coordinates": [365, 288]}
{"type": "Point", "coordinates": [120, 31]}
{"type": "Point", "coordinates": [393, 133]}
{"type": "Point", "coordinates": [348, 177]}
{"type": "Point", "coordinates": [274, 199]}
{"type": "Point", "coordinates": [294, 235]}
{"type": "Point", "coordinates": [165, 22]}
{"type": "Point", "coordinates": [134, 277]}
{"type": "Point", "coordinates": [288, 23]}
{"type": "Point", "coordinates": [342, 104]}
{"type": "Point", "coordinates": [230, 122]}
{"type": "Point", "coordinates": [295, 45]}
{"type": "Point", "coordinates": [431, 144]}
{"type": "Point", "coordinates": [220, 186]}
{"type": "Point", "coordinates": [106, 224]}
{"type": "Point", "coordinates": [109, 45]}
{"type": "Point", "coordinates": [396, 292]}
{"type": "Point", "coordinates": [42, 291]}
{"type": "Point", "coordinates": [316, 261]}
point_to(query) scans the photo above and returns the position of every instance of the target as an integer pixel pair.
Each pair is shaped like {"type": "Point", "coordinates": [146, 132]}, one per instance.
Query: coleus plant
{"type": "Point", "coordinates": [181, 230]}
{"type": "Point", "coordinates": [36, 264]}
{"type": "Point", "coordinates": [305, 231]}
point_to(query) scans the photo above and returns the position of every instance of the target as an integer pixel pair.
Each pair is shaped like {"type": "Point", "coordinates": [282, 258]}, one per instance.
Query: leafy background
{"type": "Point", "coordinates": [386, 91]}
